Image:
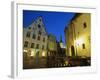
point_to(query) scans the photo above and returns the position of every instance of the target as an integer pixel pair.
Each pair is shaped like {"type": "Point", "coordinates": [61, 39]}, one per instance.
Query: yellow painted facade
{"type": "Point", "coordinates": [78, 35]}
{"type": "Point", "coordinates": [52, 45]}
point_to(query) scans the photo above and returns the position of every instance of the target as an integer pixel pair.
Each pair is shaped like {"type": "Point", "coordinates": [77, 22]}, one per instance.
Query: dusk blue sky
{"type": "Point", "coordinates": [55, 22]}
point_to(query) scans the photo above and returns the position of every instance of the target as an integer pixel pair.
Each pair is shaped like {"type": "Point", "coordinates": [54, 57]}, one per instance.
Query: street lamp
{"type": "Point", "coordinates": [79, 41]}
{"type": "Point", "coordinates": [25, 50]}
{"type": "Point", "coordinates": [33, 53]}
{"type": "Point", "coordinates": [43, 54]}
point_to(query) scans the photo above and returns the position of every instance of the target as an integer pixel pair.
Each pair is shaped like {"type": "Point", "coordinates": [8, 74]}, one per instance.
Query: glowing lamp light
{"type": "Point", "coordinates": [79, 41]}
{"type": "Point", "coordinates": [66, 62]}
{"type": "Point", "coordinates": [32, 53]}
{"type": "Point", "coordinates": [43, 54]}
{"type": "Point", "coordinates": [25, 50]}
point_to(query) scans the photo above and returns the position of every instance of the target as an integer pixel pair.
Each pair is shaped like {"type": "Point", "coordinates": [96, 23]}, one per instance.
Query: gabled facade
{"type": "Point", "coordinates": [35, 40]}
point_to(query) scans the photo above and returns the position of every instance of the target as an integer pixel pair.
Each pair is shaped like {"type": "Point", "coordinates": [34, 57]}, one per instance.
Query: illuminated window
{"type": "Point", "coordinates": [43, 54]}
{"type": "Point", "coordinates": [25, 50]}
{"type": "Point", "coordinates": [32, 45]}
{"type": "Point", "coordinates": [26, 44]}
{"type": "Point", "coordinates": [28, 34]}
{"type": "Point", "coordinates": [83, 46]}
{"type": "Point", "coordinates": [84, 25]}
{"type": "Point", "coordinates": [32, 53]}
{"type": "Point", "coordinates": [34, 36]}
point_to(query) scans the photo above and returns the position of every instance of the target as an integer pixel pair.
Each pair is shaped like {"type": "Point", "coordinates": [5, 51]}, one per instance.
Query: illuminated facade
{"type": "Point", "coordinates": [61, 43]}
{"type": "Point", "coordinates": [52, 50]}
{"type": "Point", "coordinates": [52, 45]}
{"type": "Point", "coordinates": [77, 36]}
{"type": "Point", "coordinates": [56, 52]}
{"type": "Point", "coordinates": [35, 42]}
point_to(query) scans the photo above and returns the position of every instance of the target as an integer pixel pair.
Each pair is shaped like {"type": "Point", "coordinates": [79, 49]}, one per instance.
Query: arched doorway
{"type": "Point", "coordinates": [72, 50]}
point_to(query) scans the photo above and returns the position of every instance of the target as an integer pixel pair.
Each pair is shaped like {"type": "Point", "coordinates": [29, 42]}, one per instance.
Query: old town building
{"type": "Point", "coordinates": [56, 52]}
{"type": "Point", "coordinates": [77, 36]}
{"type": "Point", "coordinates": [61, 55]}
{"type": "Point", "coordinates": [35, 44]}
{"type": "Point", "coordinates": [52, 50]}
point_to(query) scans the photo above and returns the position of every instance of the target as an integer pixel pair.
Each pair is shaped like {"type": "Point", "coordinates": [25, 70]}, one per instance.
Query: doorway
{"type": "Point", "coordinates": [72, 50]}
